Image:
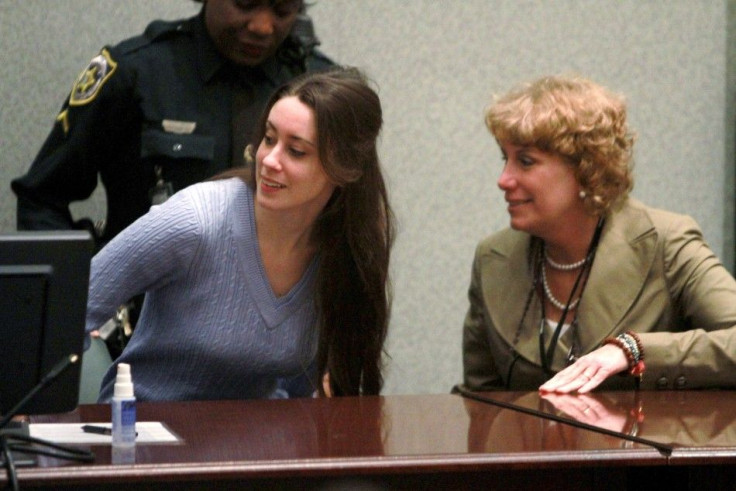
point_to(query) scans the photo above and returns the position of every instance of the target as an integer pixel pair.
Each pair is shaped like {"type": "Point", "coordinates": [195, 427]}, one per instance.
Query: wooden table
{"type": "Point", "coordinates": [417, 441]}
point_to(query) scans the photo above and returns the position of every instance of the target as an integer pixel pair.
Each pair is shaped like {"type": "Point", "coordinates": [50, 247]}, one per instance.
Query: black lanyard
{"type": "Point", "coordinates": [548, 356]}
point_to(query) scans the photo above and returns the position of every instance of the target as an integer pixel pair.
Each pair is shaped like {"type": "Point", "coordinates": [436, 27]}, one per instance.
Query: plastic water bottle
{"type": "Point", "coordinates": [123, 408]}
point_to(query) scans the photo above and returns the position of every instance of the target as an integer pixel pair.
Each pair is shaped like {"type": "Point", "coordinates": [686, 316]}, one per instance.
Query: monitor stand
{"type": "Point", "coordinates": [20, 458]}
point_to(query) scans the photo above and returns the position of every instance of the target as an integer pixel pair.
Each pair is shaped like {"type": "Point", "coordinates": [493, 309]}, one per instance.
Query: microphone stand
{"type": "Point", "coordinates": [44, 447]}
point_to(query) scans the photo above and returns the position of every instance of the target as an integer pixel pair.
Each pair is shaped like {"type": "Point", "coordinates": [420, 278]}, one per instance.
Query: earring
{"type": "Point", "coordinates": [582, 194]}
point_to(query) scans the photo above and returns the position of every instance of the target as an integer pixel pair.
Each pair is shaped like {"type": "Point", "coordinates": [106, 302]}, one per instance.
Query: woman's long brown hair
{"type": "Point", "coordinates": [355, 230]}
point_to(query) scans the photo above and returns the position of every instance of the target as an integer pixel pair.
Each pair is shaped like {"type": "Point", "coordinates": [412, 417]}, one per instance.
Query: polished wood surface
{"type": "Point", "coordinates": [693, 423]}
{"type": "Point", "coordinates": [404, 442]}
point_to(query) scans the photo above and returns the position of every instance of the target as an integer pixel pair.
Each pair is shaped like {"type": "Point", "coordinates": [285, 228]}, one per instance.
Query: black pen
{"type": "Point", "coordinates": [99, 430]}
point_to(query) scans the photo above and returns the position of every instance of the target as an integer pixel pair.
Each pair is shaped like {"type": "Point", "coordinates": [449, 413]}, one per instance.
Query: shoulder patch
{"type": "Point", "coordinates": [92, 78]}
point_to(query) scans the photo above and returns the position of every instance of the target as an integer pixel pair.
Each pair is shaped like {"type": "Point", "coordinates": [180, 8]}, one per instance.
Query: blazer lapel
{"type": "Point", "coordinates": [506, 283]}
{"type": "Point", "coordinates": [622, 263]}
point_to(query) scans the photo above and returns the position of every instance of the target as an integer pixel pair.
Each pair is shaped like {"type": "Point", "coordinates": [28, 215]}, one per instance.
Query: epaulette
{"type": "Point", "coordinates": [160, 28]}
{"type": "Point", "coordinates": [156, 30]}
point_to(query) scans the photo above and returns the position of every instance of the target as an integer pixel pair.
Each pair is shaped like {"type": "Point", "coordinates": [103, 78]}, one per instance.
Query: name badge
{"type": "Point", "coordinates": [178, 127]}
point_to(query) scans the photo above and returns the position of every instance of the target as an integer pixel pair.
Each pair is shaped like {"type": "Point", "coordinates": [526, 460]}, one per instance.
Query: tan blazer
{"type": "Point", "coordinates": [653, 274]}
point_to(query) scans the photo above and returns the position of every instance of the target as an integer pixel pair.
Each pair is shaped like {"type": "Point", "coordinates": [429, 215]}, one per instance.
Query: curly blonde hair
{"type": "Point", "coordinates": [577, 119]}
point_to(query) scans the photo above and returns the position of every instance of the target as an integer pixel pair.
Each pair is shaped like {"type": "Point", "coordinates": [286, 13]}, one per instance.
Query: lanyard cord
{"type": "Point", "coordinates": [535, 283]}
{"type": "Point", "coordinates": [587, 265]}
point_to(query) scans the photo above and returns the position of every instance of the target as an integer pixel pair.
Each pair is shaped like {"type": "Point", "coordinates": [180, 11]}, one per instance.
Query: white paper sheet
{"type": "Point", "coordinates": [148, 432]}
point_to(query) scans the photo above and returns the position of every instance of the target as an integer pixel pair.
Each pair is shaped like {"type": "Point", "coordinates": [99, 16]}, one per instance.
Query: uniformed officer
{"type": "Point", "coordinates": [161, 111]}
{"type": "Point", "coordinates": [164, 110]}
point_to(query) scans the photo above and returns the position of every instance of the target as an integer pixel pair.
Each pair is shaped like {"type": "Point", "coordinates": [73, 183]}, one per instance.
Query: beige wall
{"type": "Point", "coordinates": [437, 65]}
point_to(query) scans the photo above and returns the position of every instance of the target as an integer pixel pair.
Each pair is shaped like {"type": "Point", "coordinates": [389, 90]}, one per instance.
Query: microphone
{"type": "Point", "coordinates": [57, 370]}
{"type": "Point", "coordinates": [57, 451]}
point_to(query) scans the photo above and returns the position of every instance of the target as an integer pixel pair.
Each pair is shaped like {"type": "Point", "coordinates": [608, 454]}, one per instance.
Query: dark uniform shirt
{"type": "Point", "coordinates": [154, 108]}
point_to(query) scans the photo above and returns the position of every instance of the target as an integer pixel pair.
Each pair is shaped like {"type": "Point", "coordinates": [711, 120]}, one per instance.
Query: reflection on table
{"type": "Point", "coordinates": [703, 419]}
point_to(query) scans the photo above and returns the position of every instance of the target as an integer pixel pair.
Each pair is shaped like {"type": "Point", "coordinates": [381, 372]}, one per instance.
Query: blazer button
{"type": "Point", "coordinates": [681, 382]}
{"type": "Point", "coordinates": [662, 383]}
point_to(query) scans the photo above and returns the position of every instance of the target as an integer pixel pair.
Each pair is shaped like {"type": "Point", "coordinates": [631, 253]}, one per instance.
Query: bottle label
{"type": "Point", "coordinates": [123, 422]}
{"type": "Point", "coordinates": [127, 413]}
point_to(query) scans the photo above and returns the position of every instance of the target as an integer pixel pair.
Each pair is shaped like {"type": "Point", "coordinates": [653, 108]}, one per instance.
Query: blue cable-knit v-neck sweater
{"type": "Point", "coordinates": [211, 326]}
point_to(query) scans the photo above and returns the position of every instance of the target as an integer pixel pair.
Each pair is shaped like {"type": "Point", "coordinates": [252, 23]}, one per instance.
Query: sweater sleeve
{"type": "Point", "coordinates": [155, 250]}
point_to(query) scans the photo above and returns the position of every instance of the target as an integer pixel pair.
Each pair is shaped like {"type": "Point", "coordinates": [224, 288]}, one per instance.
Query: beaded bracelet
{"type": "Point", "coordinates": [624, 347]}
{"type": "Point", "coordinates": [630, 344]}
{"type": "Point", "coordinates": [637, 340]}
{"type": "Point", "coordinates": [639, 367]}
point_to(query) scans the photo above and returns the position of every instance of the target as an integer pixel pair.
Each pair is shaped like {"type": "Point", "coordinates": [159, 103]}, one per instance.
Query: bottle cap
{"type": "Point", "coordinates": [123, 382]}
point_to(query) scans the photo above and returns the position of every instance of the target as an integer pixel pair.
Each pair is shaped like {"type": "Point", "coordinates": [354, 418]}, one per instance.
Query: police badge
{"type": "Point", "coordinates": [92, 78]}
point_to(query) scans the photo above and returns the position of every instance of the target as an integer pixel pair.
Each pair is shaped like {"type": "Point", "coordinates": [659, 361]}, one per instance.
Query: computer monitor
{"type": "Point", "coordinates": [44, 278]}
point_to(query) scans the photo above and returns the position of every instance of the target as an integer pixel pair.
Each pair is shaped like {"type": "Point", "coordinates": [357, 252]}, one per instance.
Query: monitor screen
{"type": "Point", "coordinates": [44, 278]}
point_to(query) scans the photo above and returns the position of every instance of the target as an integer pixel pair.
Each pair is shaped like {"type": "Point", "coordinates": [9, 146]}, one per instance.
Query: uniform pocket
{"type": "Point", "coordinates": [177, 146]}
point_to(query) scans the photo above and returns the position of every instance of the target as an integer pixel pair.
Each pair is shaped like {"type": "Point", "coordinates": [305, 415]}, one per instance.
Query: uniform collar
{"type": "Point", "coordinates": [211, 62]}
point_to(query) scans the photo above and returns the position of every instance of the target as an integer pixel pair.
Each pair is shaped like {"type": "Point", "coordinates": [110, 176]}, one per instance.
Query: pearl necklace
{"type": "Point", "coordinates": [564, 267]}
{"type": "Point", "coordinates": [551, 298]}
